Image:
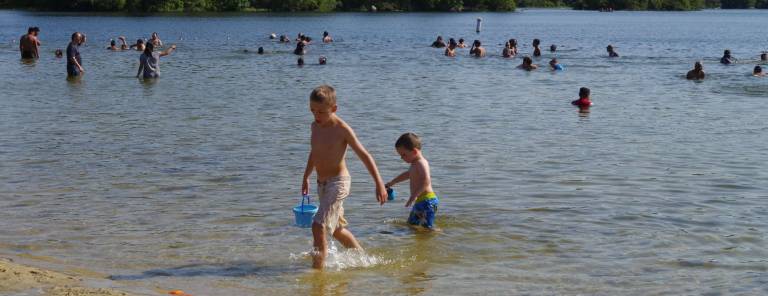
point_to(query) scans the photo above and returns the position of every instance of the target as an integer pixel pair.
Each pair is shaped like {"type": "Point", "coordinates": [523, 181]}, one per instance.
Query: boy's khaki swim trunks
{"type": "Point", "coordinates": [332, 193]}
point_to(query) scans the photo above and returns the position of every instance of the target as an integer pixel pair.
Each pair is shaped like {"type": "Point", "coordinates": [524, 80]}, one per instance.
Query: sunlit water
{"type": "Point", "coordinates": [188, 183]}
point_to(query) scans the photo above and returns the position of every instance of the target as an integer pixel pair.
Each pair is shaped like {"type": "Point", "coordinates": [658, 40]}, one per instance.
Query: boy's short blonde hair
{"type": "Point", "coordinates": [408, 141]}
{"type": "Point", "coordinates": [324, 94]}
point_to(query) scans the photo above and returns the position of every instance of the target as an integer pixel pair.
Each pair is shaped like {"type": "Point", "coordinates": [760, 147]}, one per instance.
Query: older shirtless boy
{"type": "Point", "coordinates": [330, 138]}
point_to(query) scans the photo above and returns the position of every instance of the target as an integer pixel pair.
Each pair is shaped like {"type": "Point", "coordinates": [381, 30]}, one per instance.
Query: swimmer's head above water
{"type": "Point", "coordinates": [553, 48]}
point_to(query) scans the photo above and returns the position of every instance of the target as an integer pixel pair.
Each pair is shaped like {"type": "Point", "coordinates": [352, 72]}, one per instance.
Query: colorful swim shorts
{"type": "Point", "coordinates": [424, 210]}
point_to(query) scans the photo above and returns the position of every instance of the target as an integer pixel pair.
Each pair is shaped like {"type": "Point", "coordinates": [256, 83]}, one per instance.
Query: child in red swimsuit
{"type": "Point", "coordinates": [583, 102]}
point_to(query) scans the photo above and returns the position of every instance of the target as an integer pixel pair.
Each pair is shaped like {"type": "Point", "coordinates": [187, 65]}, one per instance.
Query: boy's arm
{"type": "Point", "coordinates": [307, 173]}
{"type": "Point", "coordinates": [402, 177]}
{"type": "Point", "coordinates": [370, 164]}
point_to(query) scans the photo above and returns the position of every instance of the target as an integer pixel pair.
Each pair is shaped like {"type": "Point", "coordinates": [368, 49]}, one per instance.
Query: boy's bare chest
{"type": "Point", "coordinates": [328, 139]}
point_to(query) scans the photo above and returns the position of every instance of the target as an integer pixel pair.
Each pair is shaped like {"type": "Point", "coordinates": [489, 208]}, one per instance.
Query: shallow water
{"type": "Point", "coordinates": [188, 182]}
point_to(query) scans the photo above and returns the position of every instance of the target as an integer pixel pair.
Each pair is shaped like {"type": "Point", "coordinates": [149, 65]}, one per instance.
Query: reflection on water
{"type": "Point", "coordinates": [187, 181]}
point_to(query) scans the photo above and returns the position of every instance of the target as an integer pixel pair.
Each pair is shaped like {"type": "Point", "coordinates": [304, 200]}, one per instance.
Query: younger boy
{"type": "Point", "coordinates": [422, 197]}
{"type": "Point", "coordinates": [583, 102]}
{"type": "Point", "coordinates": [329, 141]}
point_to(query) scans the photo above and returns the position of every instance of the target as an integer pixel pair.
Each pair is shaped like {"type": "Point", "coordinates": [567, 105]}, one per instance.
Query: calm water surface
{"type": "Point", "coordinates": [187, 183]}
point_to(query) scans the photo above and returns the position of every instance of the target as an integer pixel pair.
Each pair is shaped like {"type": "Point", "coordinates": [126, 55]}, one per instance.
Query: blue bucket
{"type": "Point", "coordinates": [391, 194]}
{"type": "Point", "coordinates": [304, 213]}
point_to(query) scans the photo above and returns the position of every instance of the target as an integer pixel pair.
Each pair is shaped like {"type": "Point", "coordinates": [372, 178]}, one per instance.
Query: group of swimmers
{"type": "Point", "coordinates": [302, 41]}
{"type": "Point", "coordinates": [140, 44]}
{"type": "Point", "coordinates": [698, 69]}
{"type": "Point", "coordinates": [510, 51]}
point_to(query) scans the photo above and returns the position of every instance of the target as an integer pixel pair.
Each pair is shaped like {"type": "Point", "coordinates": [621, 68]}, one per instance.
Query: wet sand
{"type": "Point", "coordinates": [18, 278]}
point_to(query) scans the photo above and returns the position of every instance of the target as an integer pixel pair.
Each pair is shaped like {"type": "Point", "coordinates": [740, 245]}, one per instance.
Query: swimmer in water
{"type": "Point", "coordinates": [583, 102]}
{"type": "Point", "coordinates": [461, 43]}
{"type": "Point", "coordinates": [527, 64]}
{"type": "Point", "coordinates": [507, 52]}
{"type": "Point", "coordinates": [322, 60]}
{"type": "Point", "coordinates": [727, 59]}
{"type": "Point", "coordinates": [155, 40]}
{"type": "Point", "coordinates": [300, 48]}
{"type": "Point", "coordinates": [59, 54]}
{"type": "Point", "coordinates": [553, 48]}
{"type": "Point", "coordinates": [273, 36]}
{"type": "Point", "coordinates": [611, 52]}
{"type": "Point", "coordinates": [536, 49]}
{"type": "Point", "coordinates": [439, 43]}
{"type": "Point", "coordinates": [260, 50]}
{"type": "Point", "coordinates": [450, 51]}
{"type": "Point", "coordinates": [327, 37]}
{"type": "Point", "coordinates": [284, 39]}
{"type": "Point", "coordinates": [764, 57]}
{"type": "Point", "coordinates": [112, 45]}
{"type": "Point", "coordinates": [555, 66]}
{"type": "Point", "coordinates": [300, 37]}
{"type": "Point", "coordinates": [697, 73]}
{"type": "Point", "coordinates": [139, 45]}
{"type": "Point", "coordinates": [758, 71]}
{"type": "Point", "coordinates": [477, 49]}
{"type": "Point", "coordinates": [513, 46]}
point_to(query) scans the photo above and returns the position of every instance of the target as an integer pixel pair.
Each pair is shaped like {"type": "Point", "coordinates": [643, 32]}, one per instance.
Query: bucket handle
{"type": "Point", "coordinates": [305, 196]}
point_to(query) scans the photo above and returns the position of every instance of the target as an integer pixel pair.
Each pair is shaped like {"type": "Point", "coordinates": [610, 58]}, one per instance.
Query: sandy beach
{"type": "Point", "coordinates": [18, 278]}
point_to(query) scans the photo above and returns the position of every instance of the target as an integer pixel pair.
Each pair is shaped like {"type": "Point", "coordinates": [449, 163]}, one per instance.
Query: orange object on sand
{"type": "Point", "coordinates": [177, 292]}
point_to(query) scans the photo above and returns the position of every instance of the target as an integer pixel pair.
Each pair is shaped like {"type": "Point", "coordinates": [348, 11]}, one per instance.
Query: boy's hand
{"type": "Point", "coordinates": [381, 194]}
{"type": "Point", "coordinates": [409, 203]}
{"type": "Point", "coordinates": [305, 187]}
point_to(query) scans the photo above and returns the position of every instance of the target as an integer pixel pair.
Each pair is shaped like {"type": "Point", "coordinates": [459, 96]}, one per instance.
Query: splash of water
{"type": "Point", "coordinates": [343, 259]}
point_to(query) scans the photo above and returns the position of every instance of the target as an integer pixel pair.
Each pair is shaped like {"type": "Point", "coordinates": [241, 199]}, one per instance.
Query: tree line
{"type": "Point", "coordinates": [367, 5]}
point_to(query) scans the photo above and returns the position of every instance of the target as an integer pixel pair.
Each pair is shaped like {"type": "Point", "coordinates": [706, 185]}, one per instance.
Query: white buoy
{"type": "Point", "coordinates": [479, 24]}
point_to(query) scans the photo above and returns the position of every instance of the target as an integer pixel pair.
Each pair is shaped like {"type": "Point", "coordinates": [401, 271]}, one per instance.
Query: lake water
{"type": "Point", "coordinates": [188, 182]}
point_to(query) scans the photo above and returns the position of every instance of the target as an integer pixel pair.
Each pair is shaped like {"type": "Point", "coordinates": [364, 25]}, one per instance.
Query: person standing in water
{"type": "Point", "coordinates": [727, 59]}
{"type": "Point", "coordinates": [300, 48]}
{"type": "Point", "coordinates": [327, 37]}
{"type": "Point", "coordinates": [758, 71]}
{"type": "Point", "coordinates": [155, 40]}
{"type": "Point", "coordinates": [29, 44]}
{"type": "Point", "coordinates": [697, 73]}
{"type": "Point", "coordinates": [450, 51]}
{"type": "Point", "coordinates": [536, 49]}
{"type": "Point", "coordinates": [527, 64]}
{"type": "Point", "coordinates": [423, 197]}
{"type": "Point", "coordinates": [513, 46]}
{"type": "Point", "coordinates": [330, 139]}
{"type": "Point", "coordinates": [74, 61]}
{"type": "Point", "coordinates": [439, 43]}
{"type": "Point", "coordinates": [140, 46]}
{"type": "Point", "coordinates": [611, 52]}
{"type": "Point", "coordinates": [507, 52]}
{"type": "Point", "coordinates": [477, 49]}
{"type": "Point", "coordinates": [149, 61]}
{"type": "Point", "coordinates": [583, 102]}
{"type": "Point", "coordinates": [461, 43]}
